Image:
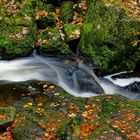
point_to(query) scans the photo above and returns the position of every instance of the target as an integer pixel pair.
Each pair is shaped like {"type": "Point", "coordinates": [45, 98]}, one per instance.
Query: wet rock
{"type": "Point", "coordinates": [58, 2]}
{"type": "Point", "coordinates": [40, 99]}
{"type": "Point", "coordinates": [72, 35]}
{"type": "Point", "coordinates": [73, 44]}
{"type": "Point", "coordinates": [137, 68]}
{"type": "Point", "coordinates": [133, 87]}
{"type": "Point", "coordinates": [122, 75]}
{"type": "Point", "coordinates": [10, 92]}
{"type": "Point", "coordinates": [54, 2]}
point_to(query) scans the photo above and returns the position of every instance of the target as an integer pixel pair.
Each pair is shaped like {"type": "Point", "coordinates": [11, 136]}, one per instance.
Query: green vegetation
{"type": "Point", "coordinates": [106, 37]}
{"type": "Point", "coordinates": [18, 38]}
{"type": "Point", "coordinates": [109, 34]}
{"type": "Point", "coordinates": [59, 115]}
{"type": "Point", "coordinates": [52, 42]}
{"type": "Point", "coordinates": [66, 13]}
{"type": "Point", "coordinates": [71, 31]}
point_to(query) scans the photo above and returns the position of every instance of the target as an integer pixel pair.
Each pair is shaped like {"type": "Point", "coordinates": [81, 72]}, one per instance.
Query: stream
{"type": "Point", "coordinates": [71, 74]}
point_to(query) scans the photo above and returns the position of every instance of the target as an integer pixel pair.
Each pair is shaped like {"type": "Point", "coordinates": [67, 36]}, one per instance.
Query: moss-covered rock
{"type": "Point", "coordinates": [107, 38]}
{"type": "Point", "coordinates": [17, 29]}
{"type": "Point", "coordinates": [52, 43]}
{"type": "Point", "coordinates": [42, 5]}
{"type": "Point", "coordinates": [66, 11]}
{"type": "Point", "coordinates": [27, 129]}
{"type": "Point", "coordinates": [71, 117]}
{"type": "Point", "coordinates": [58, 2]}
{"type": "Point", "coordinates": [45, 21]}
{"type": "Point", "coordinates": [72, 31]}
{"type": "Point", "coordinates": [72, 35]}
{"type": "Point", "coordinates": [44, 14]}
{"type": "Point", "coordinates": [63, 116]}
{"type": "Point", "coordinates": [6, 117]}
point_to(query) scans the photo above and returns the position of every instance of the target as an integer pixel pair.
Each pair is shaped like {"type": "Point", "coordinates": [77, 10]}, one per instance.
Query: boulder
{"type": "Point", "coordinates": [50, 42]}
{"type": "Point", "coordinates": [44, 21]}
{"type": "Point", "coordinates": [17, 29]}
{"type": "Point", "coordinates": [72, 31]}
{"type": "Point", "coordinates": [58, 2]}
{"type": "Point", "coordinates": [66, 11]}
{"type": "Point", "coordinates": [107, 37]}
{"type": "Point", "coordinates": [42, 5]}
{"type": "Point", "coordinates": [63, 116]}
{"type": "Point", "coordinates": [27, 129]}
{"type": "Point", "coordinates": [44, 14]}
{"type": "Point", "coordinates": [6, 117]}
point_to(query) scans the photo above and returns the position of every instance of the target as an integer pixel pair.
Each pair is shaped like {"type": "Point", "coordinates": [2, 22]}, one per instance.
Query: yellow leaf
{"type": "Point", "coordinates": [52, 86]}
{"type": "Point", "coordinates": [40, 104]}
{"type": "Point", "coordinates": [30, 104]}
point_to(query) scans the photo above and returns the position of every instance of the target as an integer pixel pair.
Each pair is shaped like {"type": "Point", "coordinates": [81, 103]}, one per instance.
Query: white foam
{"type": "Point", "coordinates": [122, 81]}
{"type": "Point", "coordinates": [56, 71]}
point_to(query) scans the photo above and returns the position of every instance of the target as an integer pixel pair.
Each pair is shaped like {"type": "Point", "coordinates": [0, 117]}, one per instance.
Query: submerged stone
{"type": "Point", "coordinates": [133, 87]}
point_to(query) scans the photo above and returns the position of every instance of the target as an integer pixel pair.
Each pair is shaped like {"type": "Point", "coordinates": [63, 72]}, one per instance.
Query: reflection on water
{"type": "Point", "coordinates": [22, 92]}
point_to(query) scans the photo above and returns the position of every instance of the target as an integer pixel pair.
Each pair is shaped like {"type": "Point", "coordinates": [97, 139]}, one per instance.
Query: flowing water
{"type": "Point", "coordinates": [71, 74]}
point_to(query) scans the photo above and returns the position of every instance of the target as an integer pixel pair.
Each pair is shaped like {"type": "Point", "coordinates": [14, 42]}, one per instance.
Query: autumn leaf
{"type": "Point", "coordinates": [3, 116]}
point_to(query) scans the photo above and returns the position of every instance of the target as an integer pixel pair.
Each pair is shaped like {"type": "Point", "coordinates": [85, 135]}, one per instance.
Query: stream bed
{"type": "Point", "coordinates": [62, 98]}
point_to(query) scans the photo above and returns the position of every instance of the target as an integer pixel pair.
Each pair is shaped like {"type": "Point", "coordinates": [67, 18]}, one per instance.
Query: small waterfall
{"type": "Point", "coordinates": [68, 73]}
{"type": "Point", "coordinates": [75, 77]}
{"type": "Point", "coordinates": [71, 74]}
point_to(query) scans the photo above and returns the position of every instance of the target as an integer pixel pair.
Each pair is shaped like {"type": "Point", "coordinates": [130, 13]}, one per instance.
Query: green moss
{"type": "Point", "coordinates": [69, 29]}
{"type": "Point", "coordinates": [66, 13]}
{"type": "Point", "coordinates": [45, 21]}
{"type": "Point", "coordinates": [54, 45]}
{"type": "Point", "coordinates": [9, 112]}
{"type": "Point", "coordinates": [18, 31]}
{"type": "Point", "coordinates": [68, 129]}
{"type": "Point", "coordinates": [27, 129]}
{"type": "Point", "coordinates": [106, 37]}
{"type": "Point", "coordinates": [110, 108]}
{"type": "Point", "coordinates": [8, 115]}
{"type": "Point", "coordinates": [41, 5]}
{"type": "Point", "coordinates": [32, 124]}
